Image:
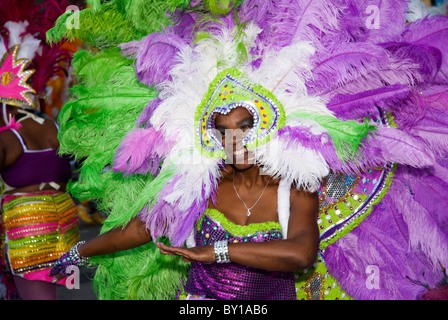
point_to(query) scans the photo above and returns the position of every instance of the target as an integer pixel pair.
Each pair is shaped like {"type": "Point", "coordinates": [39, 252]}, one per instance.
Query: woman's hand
{"type": "Point", "coordinates": [204, 254]}
{"type": "Point", "coordinates": [62, 267]}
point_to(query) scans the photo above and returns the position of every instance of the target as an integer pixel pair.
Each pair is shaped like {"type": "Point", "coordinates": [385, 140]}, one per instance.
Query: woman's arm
{"type": "Point", "coordinates": [297, 252]}
{"type": "Point", "coordinates": [133, 235]}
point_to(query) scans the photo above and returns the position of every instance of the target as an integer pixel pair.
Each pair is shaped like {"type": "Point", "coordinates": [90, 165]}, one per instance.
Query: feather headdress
{"type": "Point", "coordinates": [13, 79]}
{"type": "Point", "coordinates": [24, 25]}
{"type": "Point", "coordinates": [355, 113]}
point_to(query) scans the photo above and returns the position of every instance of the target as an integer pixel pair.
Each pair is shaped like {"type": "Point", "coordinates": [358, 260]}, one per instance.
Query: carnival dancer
{"type": "Point", "coordinates": [336, 104]}
{"type": "Point", "coordinates": [241, 249]}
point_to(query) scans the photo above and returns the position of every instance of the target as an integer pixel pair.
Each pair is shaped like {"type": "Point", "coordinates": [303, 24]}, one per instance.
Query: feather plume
{"type": "Point", "coordinates": [370, 245]}
{"type": "Point", "coordinates": [427, 58]}
{"type": "Point", "coordinates": [396, 146]}
{"type": "Point", "coordinates": [301, 166]}
{"type": "Point", "coordinates": [141, 152]}
{"type": "Point", "coordinates": [424, 231]}
{"type": "Point", "coordinates": [292, 21]}
{"type": "Point", "coordinates": [358, 106]}
{"type": "Point", "coordinates": [431, 31]}
{"type": "Point", "coordinates": [428, 189]}
{"type": "Point", "coordinates": [436, 97]}
{"type": "Point", "coordinates": [18, 34]}
{"type": "Point", "coordinates": [287, 65]}
{"type": "Point", "coordinates": [155, 56]}
{"type": "Point", "coordinates": [435, 137]}
{"type": "Point", "coordinates": [384, 19]}
{"type": "Point", "coordinates": [342, 64]}
{"type": "Point", "coordinates": [346, 136]}
{"type": "Point", "coordinates": [384, 239]}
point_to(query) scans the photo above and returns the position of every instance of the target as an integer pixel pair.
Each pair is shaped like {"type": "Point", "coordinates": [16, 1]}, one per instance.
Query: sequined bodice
{"type": "Point", "coordinates": [231, 280]}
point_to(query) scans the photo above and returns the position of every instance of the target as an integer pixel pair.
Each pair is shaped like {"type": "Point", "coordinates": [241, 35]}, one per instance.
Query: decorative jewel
{"type": "Point", "coordinates": [13, 77]}
{"type": "Point", "coordinates": [314, 287]}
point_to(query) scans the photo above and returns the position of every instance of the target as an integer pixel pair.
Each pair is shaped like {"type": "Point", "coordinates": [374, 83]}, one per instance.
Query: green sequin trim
{"type": "Point", "coordinates": [236, 229]}
{"type": "Point", "coordinates": [352, 224]}
{"type": "Point", "coordinates": [316, 283]}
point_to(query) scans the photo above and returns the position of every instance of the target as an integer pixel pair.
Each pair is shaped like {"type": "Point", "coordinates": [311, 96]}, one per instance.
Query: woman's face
{"type": "Point", "coordinates": [233, 127]}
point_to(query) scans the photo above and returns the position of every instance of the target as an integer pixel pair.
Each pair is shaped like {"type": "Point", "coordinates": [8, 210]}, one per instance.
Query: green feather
{"type": "Point", "coordinates": [103, 108]}
{"type": "Point", "coordinates": [347, 136]}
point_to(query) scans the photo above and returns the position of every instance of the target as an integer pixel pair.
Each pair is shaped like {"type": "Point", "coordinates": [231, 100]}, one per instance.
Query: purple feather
{"type": "Point", "coordinates": [256, 11]}
{"type": "Point", "coordinates": [431, 31]}
{"type": "Point", "coordinates": [292, 137]}
{"type": "Point", "coordinates": [352, 27]}
{"type": "Point", "coordinates": [345, 64]}
{"type": "Point", "coordinates": [429, 59]}
{"type": "Point", "coordinates": [424, 231]}
{"type": "Point", "coordinates": [156, 55]}
{"type": "Point", "coordinates": [289, 21]}
{"type": "Point", "coordinates": [183, 24]}
{"type": "Point", "coordinates": [141, 151]}
{"type": "Point", "coordinates": [435, 137]}
{"type": "Point", "coordinates": [386, 240]}
{"type": "Point", "coordinates": [429, 190]}
{"type": "Point", "coordinates": [350, 258]}
{"type": "Point", "coordinates": [161, 215]}
{"type": "Point", "coordinates": [396, 146]}
{"type": "Point", "coordinates": [359, 105]}
{"type": "Point", "coordinates": [390, 18]}
{"type": "Point", "coordinates": [437, 97]}
{"type": "Point", "coordinates": [167, 219]}
{"type": "Point", "coordinates": [145, 116]}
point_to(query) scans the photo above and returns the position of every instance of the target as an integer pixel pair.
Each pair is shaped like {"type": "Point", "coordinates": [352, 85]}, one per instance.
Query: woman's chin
{"type": "Point", "coordinates": [243, 167]}
{"type": "Point", "coordinates": [245, 163]}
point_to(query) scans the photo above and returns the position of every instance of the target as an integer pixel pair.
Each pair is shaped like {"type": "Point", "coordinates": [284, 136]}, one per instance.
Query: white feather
{"type": "Point", "coordinates": [299, 165]}
{"type": "Point", "coordinates": [283, 206]}
{"type": "Point", "coordinates": [2, 48]}
{"type": "Point", "coordinates": [418, 10]}
{"type": "Point", "coordinates": [28, 44]}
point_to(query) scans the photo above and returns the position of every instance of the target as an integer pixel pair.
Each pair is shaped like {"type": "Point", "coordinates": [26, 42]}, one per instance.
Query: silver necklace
{"type": "Point", "coordinates": [248, 213]}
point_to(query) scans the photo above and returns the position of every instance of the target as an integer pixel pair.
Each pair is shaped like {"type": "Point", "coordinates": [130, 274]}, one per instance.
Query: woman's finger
{"type": "Point", "coordinates": [57, 278]}
{"type": "Point", "coordinates": [170, 250]}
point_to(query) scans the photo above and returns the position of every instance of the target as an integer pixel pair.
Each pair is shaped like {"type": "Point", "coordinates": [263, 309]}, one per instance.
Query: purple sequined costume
{"type": "Point", "coordinates": [231, 280]}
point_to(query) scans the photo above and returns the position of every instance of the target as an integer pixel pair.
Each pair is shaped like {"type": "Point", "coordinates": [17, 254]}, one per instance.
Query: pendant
{"type": "Point", "coordinates": [248, 212]}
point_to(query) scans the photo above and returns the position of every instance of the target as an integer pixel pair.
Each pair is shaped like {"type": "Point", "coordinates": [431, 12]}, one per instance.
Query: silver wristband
{"type": "Point", "coordinates": [221, 251]}
{"type": "Point", "coordinates": [76, 257]}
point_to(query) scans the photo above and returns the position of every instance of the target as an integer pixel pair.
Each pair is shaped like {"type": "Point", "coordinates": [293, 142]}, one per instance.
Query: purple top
{"type": "Point", "coordinates": [36, 167]}
{"type": "Point", "coordinates": [234, 281]}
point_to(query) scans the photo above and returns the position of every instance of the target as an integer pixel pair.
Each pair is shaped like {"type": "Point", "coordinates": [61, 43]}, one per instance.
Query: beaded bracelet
{"type": "Point", "coordinates": [74, 254]}
{"type": "Point", "coordinates": [221, 251]}
{"type": "Point", "coordinates": [72, 257]}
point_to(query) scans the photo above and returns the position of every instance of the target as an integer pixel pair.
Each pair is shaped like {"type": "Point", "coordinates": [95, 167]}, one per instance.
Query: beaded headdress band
{"type": "Point", "coordinates": [229, 90]}
{"type": "Point", "coordinates": [14, 89]}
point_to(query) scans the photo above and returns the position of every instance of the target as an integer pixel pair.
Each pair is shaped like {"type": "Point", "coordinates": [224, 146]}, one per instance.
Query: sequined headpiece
{"type": "Point", "coordinates": [14, 89]}
{"type": "Point", "coordinates": [229, 90]}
